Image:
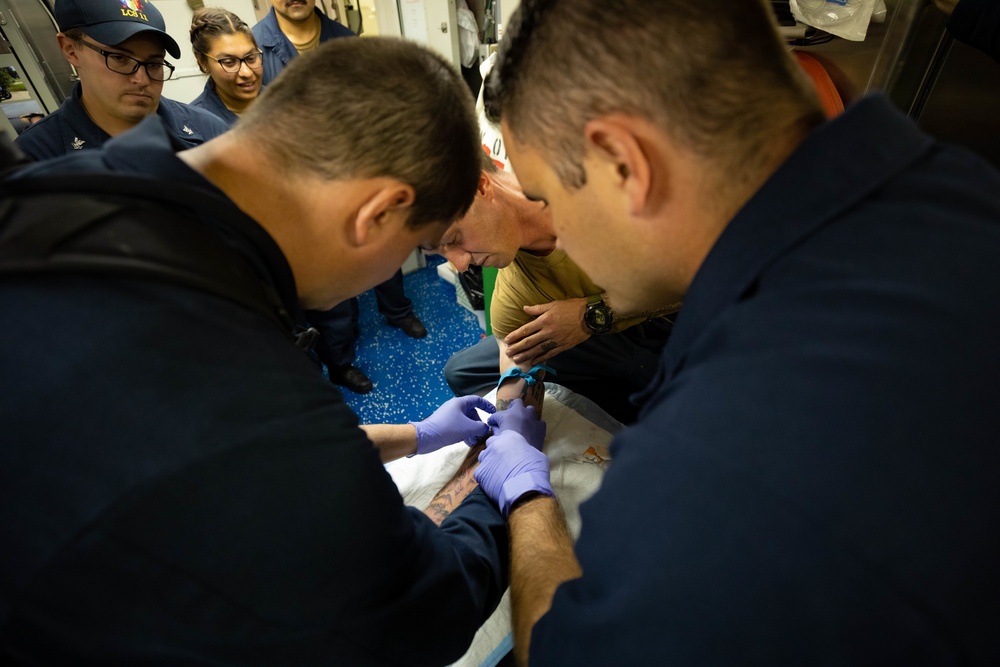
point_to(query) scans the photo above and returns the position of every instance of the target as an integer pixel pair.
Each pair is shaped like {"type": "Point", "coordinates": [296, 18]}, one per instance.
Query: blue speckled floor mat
{"type": "Point", "coordinates": [408, 373]}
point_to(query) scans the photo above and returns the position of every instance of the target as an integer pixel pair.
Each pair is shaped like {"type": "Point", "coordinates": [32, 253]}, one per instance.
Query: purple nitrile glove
{"type": "Point", "coordinates": [521, 418]}
{"type": "Point", "coordinates": [510, 467]}
{"type": "Point", "coordinates": [455, 420]}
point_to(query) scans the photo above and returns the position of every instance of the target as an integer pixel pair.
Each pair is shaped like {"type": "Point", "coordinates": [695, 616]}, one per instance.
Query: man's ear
{"type": "Point", "coordinates": [485, 186]}
{"type": "Point", "coordinates": [68, 48]}
{"type": "Point", "coordinates": [618, 143]}
{"type": "Point", "coordinates": [387, 203]}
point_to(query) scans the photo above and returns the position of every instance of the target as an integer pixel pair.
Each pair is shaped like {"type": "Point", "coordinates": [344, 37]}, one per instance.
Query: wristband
{"type": "Point", "coordinates": [528, 376]}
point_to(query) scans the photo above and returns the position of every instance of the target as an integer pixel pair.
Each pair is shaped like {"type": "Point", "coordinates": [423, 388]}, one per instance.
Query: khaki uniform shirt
{"type": "Point", "coordinates": [531, 280]}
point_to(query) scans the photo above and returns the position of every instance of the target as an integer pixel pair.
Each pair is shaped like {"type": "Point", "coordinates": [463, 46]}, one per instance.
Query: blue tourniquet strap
{"type": "Point", "coordinates": [529, 376]}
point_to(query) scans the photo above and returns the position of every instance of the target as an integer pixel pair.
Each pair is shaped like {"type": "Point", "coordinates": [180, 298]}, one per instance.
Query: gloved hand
{"type": "Point", "coordinates": [521, 418]}
{"type": "Point", "coordinates": [455, 420]}
{"type": "Point", "coordinates": [510, 467]}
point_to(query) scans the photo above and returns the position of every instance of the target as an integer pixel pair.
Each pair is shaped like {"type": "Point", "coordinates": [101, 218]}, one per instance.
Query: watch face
{"type": "Point", "coordinates": [598, 318]}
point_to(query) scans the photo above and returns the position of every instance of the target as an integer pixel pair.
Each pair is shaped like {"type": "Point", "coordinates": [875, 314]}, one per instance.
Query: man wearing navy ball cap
{"type": "Point", "coordinates": [118, 48]}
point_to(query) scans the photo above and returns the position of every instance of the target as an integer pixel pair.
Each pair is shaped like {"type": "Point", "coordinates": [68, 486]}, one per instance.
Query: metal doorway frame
{"type": "Point", "coordinates": [28, 31]}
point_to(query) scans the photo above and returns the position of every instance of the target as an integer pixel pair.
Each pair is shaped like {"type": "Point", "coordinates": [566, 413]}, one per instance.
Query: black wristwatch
{"type": "Point", "coordinates": [598, 318]}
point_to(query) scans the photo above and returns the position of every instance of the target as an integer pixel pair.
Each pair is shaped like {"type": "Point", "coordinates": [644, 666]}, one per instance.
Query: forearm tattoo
{"type": "Point", "coordinates": [531, 394]}
{"type": "Point", "coordinates": [463, 482]}
{"type": "Point", "coordinates": [455, 491]}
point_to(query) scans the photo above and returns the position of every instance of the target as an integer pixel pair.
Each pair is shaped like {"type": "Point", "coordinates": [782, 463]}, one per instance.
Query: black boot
{"type": "Point", "coordinates": [351, 377]}
{"type": "Point", "coordinates": [411, 326]}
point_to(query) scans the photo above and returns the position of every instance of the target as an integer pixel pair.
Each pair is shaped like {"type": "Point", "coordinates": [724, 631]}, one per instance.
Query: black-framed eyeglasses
{"type": "Point", "coordinates": [232, 64]}
{"type": "Point", "coordinates": [119, 63]}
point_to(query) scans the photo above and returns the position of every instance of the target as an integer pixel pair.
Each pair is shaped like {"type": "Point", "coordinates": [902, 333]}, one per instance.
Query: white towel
{"type": "Point", "coordinates": [573, 425]}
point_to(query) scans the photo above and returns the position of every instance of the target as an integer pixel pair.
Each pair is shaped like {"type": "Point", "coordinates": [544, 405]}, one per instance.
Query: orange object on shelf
{"type": "Point", "coordinates": [828, 95]}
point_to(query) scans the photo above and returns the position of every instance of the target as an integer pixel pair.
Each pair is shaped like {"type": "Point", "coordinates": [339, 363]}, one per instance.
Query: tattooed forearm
{"type": "Point", "coordinates": [457, 488]}
{"type": "Point", "coordinates": [439, 509]}
{"type": "Point", "coordinates": [534, 394]}
{"type": "Point", "coordinates": [531, 394]}
{"type": "Point", "coordinates": [463, 482]}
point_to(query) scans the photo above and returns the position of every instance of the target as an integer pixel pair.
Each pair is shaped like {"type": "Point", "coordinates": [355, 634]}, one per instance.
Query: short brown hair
{"type": "Point", "coordinates": [74, 34]}
{"type": "Point", "coordinates": [374, 107]}
{"type": "Point", "coordinates": [712, 74]}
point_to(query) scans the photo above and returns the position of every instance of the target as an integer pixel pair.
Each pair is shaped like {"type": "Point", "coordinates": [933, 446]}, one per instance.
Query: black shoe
{"type": "Point", "coordinates": [411, 326]}
{"type": "Point", "coordinates": [351, 377]}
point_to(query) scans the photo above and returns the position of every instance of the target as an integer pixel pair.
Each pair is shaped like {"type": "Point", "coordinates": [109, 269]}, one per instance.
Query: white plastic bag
{"type": "Point", "coordinates": [878, 16]}
{"type": "Point", "coordinates": [468, 35]}
{"type": "Point", "coordinates": [492, 137]}
{"type": "Point", "coordinates": [844, 18]}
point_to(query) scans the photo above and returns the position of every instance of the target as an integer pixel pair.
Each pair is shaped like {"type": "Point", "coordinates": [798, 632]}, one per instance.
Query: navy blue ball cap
{"type": "Point", "coordinates": [112, 22]}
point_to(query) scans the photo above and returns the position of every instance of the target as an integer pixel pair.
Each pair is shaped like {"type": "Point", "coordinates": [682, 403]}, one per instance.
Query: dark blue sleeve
{"type": "Point", "coordinates": [201, 102]}
{"type": "Point", "coordinates": [209, 101]}
{"type": "Point", "coordinates": [307, 541]}
{"type": "Point", "coordinates": [331, 29]}
{"type": "Point", "coordinates": [43, 140]}
{"type": "Point", "coordinates": [749, 520]}
{"type": "Point", "coordinates": [816, 482]}
{"type": "Point", "coordinates": [210, 125]}
{"type": "Point", "coordinates": [190, 125]}
{"type": "Point", "coordinates": [224, 512]}
{"type": "Point", "coordinates": [342, 31]}
{"type": "Point", "coordinates": [272, 65]}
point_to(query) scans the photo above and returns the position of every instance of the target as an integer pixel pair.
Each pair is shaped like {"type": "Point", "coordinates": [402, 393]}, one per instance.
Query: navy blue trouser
{"type": "Point", "coordinates": [338, 327]}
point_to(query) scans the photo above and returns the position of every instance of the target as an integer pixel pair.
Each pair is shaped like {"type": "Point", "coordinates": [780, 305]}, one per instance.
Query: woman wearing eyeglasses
{"type": "Point", "coordinates": [226, 51]}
